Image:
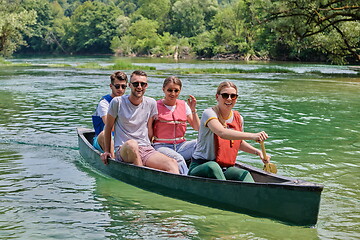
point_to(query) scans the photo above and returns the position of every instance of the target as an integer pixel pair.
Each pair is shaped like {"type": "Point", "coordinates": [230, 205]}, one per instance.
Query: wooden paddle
{"type": "Point", "coordinates": [268, 167]}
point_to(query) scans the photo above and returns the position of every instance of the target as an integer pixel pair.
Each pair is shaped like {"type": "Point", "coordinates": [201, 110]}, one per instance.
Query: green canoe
{"type": "Point", "coordinates": [272, 196]}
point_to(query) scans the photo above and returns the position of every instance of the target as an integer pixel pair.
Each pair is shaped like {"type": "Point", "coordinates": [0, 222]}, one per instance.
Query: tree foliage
{"type": "Point", "coordinates": [156, 10]}
{"type": "Point", "coordinates": [92, 26]}
{"type": "Point", "coordinates": [330, 26]}
{"type": "Point", "coordinates": [187, 18]}
{"type": "Point", "coordinates": [15, 24]}
{"type": "Point", "coordinates": [326, 30]}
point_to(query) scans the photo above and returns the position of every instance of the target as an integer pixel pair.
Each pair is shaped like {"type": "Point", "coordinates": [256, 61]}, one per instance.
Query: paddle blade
{"type": "Point", "coordinates": [270, 167]}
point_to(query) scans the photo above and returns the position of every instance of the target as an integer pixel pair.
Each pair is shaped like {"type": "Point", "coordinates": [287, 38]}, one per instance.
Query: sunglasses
{"type": "Point", "coordinates": [136, 84]}
{"type": "Point", "coordinates": [173, 90]}
{"type": "Point", "coordinates": [225, 96]}
{"type": "Point", "coordinates": [118, 86]}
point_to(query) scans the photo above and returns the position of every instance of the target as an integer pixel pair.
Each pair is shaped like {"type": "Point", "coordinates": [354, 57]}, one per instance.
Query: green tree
{"type": "Point", "coordinates": [127, 6]}
{"type": "Point", "coordinates": [234, 30]}
{"type": "Point", "coordinates": [204, 44]}
{"type": "Point", "coordinates": [55, 37]}
{"type": "Point", "coordinates": [210, 8]}
{"type": "Point", "coordinates": [144, 36]}
{"type": "Point", "coordinates": [44, 20]}
{"type": "Point", "coordinates": [171, 46]}
{"type": "Point", "coordinates": [49, 30]}
{"type": "Point", "coordinates": [93, 26]}
{"type": "Point", "coordinates": [15, 24]}
{"type": "Point", "coordinates": [123, 23]}
{"type": "Point", "coordinates": [329, 26]}
{"type": "Point", "coordinates": [156, 10]}
{"type": "Point", "coordinates": [187, 18]}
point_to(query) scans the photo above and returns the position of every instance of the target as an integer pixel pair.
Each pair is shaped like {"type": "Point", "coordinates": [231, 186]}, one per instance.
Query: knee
{"type": "Point", "coordinates": [171, 162]}
{"type": "Point", "coordinates": [173, 166]}
{"type": "Point", "coordinates": [131, 145]}
{"type": "Point", "coordinates": [101, 137]}
{"type": "Point", "coordinates": [214, 166]}
{"type": "Point", "coordinates": [246, 177]}
{"type": "Point", "coordinates": [129, 149]}
{"type": "Point", "coordinates": [101, 134]}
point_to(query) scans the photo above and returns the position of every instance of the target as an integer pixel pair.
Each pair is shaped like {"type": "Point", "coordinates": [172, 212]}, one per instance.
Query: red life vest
{"type": "Point", "coordinates": [227, 150]}
{"type": "Point", "coordinates": [170, 127]}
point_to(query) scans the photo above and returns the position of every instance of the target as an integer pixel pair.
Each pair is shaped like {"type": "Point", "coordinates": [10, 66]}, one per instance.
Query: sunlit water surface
{"type": "Point", "coordinates": [47, 192]}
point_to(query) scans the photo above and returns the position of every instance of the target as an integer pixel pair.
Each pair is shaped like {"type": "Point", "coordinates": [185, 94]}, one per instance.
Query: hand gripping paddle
{"type": "Point", "coordinates": [268, 167]}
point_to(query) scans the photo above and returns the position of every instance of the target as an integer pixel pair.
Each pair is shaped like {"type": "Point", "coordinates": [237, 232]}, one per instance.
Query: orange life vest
{"type": "Point", "coordinates": [170, 127]}
{"type": "Point", "coordinates": [227, 150]}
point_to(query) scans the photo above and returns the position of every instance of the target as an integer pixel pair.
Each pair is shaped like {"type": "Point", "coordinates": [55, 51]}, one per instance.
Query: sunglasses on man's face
{"type": "Point", "coordinates": [225, 96]}
{"type": "Point", "coordinates": [118, 86]}
{"type": "Point", "coordinates": [173, 90]}
{"type": "Point", "coordinates": [136, 84]}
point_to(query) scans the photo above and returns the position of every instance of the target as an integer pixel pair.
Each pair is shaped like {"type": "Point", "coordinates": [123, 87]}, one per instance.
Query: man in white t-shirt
{"type": "Point", "coordinates": [131, 115]}
{"type": "Point", "coordinates": [118, 82]}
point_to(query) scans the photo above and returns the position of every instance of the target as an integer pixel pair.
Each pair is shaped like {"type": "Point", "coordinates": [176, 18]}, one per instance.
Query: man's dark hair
{"type": "Point", "coordinates": [138, 73]}
{"type": "Point", "coordinates": [121, 76]}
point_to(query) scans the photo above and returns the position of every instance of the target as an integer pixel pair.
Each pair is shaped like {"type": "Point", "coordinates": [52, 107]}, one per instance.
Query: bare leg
{"type": "Point", "coordinates": [162, 162]}
{"type": "Point", "coordinates": [101, 141]}
{"type": "Point", "coordinates": [129, 153]}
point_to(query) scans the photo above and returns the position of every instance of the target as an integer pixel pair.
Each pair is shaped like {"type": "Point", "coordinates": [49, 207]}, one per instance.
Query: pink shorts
{"type": "Point", "coordinates": [145, 153]}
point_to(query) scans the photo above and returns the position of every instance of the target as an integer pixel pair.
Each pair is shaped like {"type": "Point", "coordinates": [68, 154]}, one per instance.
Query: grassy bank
{"type": "Point", "coordinates": [4, 63]}
{"type": "Point", "coordinates": [118, 65]}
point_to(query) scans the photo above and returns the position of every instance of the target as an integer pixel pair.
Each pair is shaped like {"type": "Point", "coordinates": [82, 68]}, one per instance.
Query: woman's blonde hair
{"type": "Point", "coordinates": [216, 109]}
{"type": "Point", "coordinates": [226, 84]}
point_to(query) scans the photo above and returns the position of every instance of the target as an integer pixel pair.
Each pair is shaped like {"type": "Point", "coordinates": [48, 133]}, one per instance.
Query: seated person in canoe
{"type": "Point", "coordinates": [118, 81]}
{"type": "Point", "coordinates": [220, 137]}
{"type": "Point", "coordinates": [170, 126]}
{"type": "Point", "coordinates": [131, 115]}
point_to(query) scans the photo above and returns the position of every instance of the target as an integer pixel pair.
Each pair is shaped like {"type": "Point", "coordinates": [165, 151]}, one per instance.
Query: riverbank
{"type": "Point", "coordinates": [229, 67]}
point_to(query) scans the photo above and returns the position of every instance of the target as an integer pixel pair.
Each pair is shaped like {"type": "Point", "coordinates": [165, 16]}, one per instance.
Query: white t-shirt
{"type": "Point", "coordinates": [172, 108]}
{"type": "Point", "coordinates": [102, 108]}
{"type": "Point", "coordinates": [131, 121]}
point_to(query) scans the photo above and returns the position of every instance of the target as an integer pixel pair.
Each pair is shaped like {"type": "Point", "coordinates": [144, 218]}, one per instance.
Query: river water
{"type": "Point", "coordinates": [46, 192]}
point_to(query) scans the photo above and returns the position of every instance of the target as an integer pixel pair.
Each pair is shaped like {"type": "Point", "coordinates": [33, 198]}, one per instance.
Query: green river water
{"type": "Point", "coordinates": [46, 192]}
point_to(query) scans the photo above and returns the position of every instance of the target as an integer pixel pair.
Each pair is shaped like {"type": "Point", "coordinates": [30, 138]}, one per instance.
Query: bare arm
{"type": "Point", "coordinates": [110, 120]}
{"type": "Point", "coordinates": [225, 133]}
{"type": "Point", "coordinates": [150, 128]}
{"type": "Point", "coordinates": [246, 147]}
{"type": "Point", "coordinates": [104, 121]}
{"type": "Point", "coordinates": [193, 118]}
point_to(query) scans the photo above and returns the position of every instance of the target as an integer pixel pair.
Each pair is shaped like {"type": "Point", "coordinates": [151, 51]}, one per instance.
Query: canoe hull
{"type": "Point", "coordinates": [280, 198]}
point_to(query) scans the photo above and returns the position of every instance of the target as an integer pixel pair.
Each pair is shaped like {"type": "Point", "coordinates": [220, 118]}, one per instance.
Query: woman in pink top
{"type": "Point", "coordinates": [170, 127]}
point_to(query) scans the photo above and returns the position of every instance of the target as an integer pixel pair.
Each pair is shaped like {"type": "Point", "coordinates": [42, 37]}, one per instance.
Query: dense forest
{"type": "Point", "coordinates": [303, 30]}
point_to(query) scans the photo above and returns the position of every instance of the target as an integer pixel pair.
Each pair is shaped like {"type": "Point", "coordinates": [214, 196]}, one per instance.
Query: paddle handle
{"type": "Point", "coordinates": [269, 167]}
{"type": "Point", "coordinates": [263, 149]}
